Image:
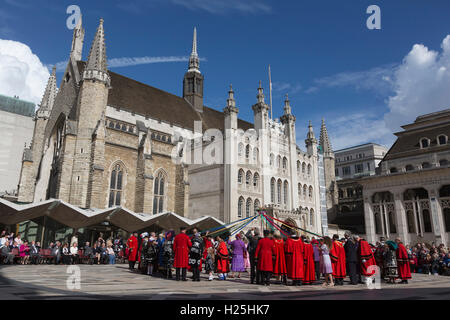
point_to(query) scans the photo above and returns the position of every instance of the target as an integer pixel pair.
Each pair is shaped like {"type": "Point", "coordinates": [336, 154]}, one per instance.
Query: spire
{"type": "Point", "coordinates": [77, 40]}
{"type": "Point", "coordinates": [96, 67]}
{"type": "Point", "coordinates": [194, 64]}
{"type": "Point", "coordinates": [287, 105]}
{"type": "Point", "coordinates": [260, 95]}
{"type": "Point", "coordinates": [310, 135]}
{"type": "Point", "coordinates": [324, 141]}
{"type": "Point", "coordinates": [231, 106]}
{"type": "Point", "coordinates": [48, 99]}
{"type": "Point", "coordinates": [230, 101]}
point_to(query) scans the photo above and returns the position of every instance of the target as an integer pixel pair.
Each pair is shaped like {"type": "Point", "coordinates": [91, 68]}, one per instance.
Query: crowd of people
{"type": "Point", "coordinates": [268, 258]}
{"type": "Point", "coordinates": [302, 260]}
{"type": "Point", "coordinates": [13, 249]}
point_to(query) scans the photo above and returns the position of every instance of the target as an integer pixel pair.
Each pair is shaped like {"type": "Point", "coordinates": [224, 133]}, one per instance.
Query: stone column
{"type": "Point", "coordinates": [437, 216]}
{"type": "Point", "coordinates": [369, 220]}
{"type": "Point", "coordinates": [401, 219]}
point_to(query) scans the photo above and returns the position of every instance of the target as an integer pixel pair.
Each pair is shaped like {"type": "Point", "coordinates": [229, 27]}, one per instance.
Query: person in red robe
{"type": "Point", "coordinates": [309, 267]}
{"type": "Point", "coordinates": [366, 258]}
{"type": "Point", "coordinates": [264, 254]}
{"type": "Point", "coordinates": [181, 245]}
{"type": "Point", "coordinates": [403, 267]}
{"type": "Point", "coordinates": [279, 264]}
{"type": "Point", "coordinates": [337, 255]}
{"type": "Point", "coordinates": [208, 244]}
{"type": "Point", "coordinates": [133, 254]}
{"type": "Point", "coordinates": [223, 259]}
{"type": "Point", "coordinates": [295, 263]}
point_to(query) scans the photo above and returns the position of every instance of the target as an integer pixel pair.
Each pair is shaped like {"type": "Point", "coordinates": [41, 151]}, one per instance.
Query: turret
{"type": "Point", "coordinates": [193, 79]}
{"type": "Point", "coordinates": [231, 111]}
{"type": "Point", "coordinates": [77, 41]}
{"type": "Point", "coordinates": [260, 110]}
{"type": "Point", "coordinates": [311, 141]}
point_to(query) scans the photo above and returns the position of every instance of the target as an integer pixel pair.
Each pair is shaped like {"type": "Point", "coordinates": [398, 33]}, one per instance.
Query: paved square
{"type": "Point", "coordinates": [117, 282]}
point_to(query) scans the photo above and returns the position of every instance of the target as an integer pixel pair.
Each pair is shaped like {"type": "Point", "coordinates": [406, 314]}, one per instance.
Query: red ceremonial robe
{"type": "Point", "coordinates": [365, 253]}
{"type": "Point", "coordinates": [309, 269]}
{"type": "Point", "coordinates": [264, 252]}
{"type": "Point", "coordinates": [337, 255]}
{"type": "Point", "coordinates": [279, 264]}
{"type": "Point", "coordinates": [223, 261]}
{"type": "Point", "coordinates": [181, 245]}
{"type": "Point", "coordinates": [404, 271]}
{"type": "Point", "coordinates": [132, 244]}
{"type": "Point", "coordinates": [294, 258]}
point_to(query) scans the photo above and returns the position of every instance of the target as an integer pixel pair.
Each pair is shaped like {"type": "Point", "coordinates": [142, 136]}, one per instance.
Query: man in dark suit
{"type": "Point", "coordinates": [56, 252]}
{"type": "Point", "coordinates": [5, 252]}
{"type": "Point", "coordinates": [34, 252]}
{"type": "Point", "coordinates": [351, 255]}
{"type": "Point", "coordinates": [253, 239]}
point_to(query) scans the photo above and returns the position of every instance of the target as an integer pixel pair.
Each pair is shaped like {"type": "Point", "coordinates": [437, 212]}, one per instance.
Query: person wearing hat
{"type": "Point", "coordinates": [366, 258]}
{"type": "Point", "coordinates": [133, 246]}
{"type": "Point", "coordinates": [264, 254]}
{"type": "Point", "coordinates": [337, 255]}
{"type": "Point", "coordinates": [195, 255]}
{"type": "Point", "coordinates": [181, 246]}
{"type": "Point", "coordinates": [223, 257]}
{"type": "Point", "coordinates": [404, 270]}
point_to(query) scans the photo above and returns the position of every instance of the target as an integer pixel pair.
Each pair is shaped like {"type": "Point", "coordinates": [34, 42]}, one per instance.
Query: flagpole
{"type": "Point", "coordinates": [270, 94]}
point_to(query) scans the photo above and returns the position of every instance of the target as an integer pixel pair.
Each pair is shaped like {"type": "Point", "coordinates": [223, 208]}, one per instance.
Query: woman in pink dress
{"type": "Point", "coordinates": [247, 258]}
{"type": "Point", "coordinates": [24, 252]}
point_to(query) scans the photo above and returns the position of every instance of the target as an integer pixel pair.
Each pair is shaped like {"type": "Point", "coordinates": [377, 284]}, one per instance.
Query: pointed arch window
{"type": "Point", "coordinates": [256, 181]}
{"type": "Point", "coordinates": [256, 206]}
{"type": "Point", "coordinates": [272, 190]}
{"type": "Point", "coordinates": [240, 176]}
{"type": "Point", "coordinates": [285, 193]}
{"type": "Point", "coordinates": [303, 167]}
{"type": "Point", "coordinates": [247, 151]}
{"type": "Point", "coordinates": [311, 217]}
{"type": "Point", "coordinates": [279, 191]}
{"type": "Point", "coordinates": [115, 186]}
{"type": "Point", "coordinates": [248, 207]}
{"type": "Point", "coordinates": [240, 207]}
{"type": "Point", "coordinates": [159, 193]}
{"type": "Point", "coordinates": [284, 163]}
{"type": "Point", "coordinates": [248, 178]}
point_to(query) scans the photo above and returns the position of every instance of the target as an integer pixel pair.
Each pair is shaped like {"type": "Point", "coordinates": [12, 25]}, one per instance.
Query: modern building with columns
{"type": "Point", "coordinates": [410, 198]}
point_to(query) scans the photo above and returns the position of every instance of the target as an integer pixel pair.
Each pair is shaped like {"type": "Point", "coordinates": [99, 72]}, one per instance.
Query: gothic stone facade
{"type": "Point", "coordinates": [105, 140]}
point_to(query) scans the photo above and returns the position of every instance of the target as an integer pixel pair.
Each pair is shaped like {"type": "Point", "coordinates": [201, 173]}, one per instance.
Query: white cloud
{"type": "Point", "coordinates": [130, 61]}
{"type": "Point", "coordinates": [21, 72]}
{"type": "Point", "coordinates": [356, 129]}
{"type": "Point", "coordinates": [378, 80]}
{"type": "Point", "coordinates": [285, 87]}
{"type": "Point", "coordinates": [421, 84]}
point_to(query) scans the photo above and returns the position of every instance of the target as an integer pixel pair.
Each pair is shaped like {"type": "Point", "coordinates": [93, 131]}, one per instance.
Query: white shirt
{"type": "Point", "coordinates": [2, 241]}
{"type": "Point", "coordinates": [73, 250]}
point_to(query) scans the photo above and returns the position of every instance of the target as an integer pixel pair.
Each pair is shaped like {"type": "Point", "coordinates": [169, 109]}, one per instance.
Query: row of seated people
{"type": "Point", "coordinates": [32, 253]}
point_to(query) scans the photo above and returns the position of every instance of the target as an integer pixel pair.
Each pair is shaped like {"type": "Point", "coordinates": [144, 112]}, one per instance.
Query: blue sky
{"type": "Point", "coordinates": [321, 53]}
